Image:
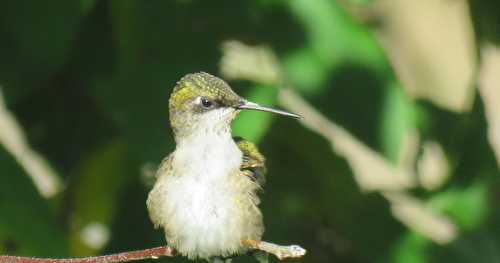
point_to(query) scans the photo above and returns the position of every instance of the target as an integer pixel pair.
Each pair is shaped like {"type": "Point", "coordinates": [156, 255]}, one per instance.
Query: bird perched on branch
{"type": "Point", "coordinates": [205, 196]}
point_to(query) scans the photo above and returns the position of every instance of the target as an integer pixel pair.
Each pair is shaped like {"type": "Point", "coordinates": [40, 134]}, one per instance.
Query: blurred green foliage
{"type": "Point", "coordinates": [89, 81]}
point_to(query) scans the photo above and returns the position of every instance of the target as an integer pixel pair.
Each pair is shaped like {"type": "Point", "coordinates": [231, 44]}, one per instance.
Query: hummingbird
{"type": "Point", "coordinates": [206, 192]}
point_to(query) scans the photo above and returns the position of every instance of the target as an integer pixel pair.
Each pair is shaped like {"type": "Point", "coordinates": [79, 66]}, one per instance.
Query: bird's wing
{"type": "Point", "coordinates": [155, 197]}
{"type": "Point", "coordinates": [253, 164]}
{"type": "Point", "coordinates": [165, 166]}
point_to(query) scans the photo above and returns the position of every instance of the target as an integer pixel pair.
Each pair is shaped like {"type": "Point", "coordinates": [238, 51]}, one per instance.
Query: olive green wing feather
{"type": "Point", "coordinates": [155, 197]}
{"type": "Point", "coordinates": [253, 164]}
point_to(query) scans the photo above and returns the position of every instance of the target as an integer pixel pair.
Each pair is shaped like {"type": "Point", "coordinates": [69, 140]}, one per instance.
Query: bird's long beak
{"type": "Point", "coordinates": [247, 105]}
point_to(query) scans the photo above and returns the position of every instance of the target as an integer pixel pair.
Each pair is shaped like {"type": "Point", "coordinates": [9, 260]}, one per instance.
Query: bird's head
{"type": "Point", "coordinates": [202, 103]}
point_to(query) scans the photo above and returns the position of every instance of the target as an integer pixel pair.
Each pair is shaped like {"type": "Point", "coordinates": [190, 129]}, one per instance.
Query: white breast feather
{"type": "Point", "coordinates": [207, 209]}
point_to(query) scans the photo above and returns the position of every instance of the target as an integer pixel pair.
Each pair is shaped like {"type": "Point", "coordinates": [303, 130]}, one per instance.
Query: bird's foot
{"type": "Point", "coordinates": [281, 252]}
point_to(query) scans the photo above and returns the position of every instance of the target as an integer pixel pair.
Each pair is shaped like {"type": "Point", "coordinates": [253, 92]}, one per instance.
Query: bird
{"type": "Point", "coordinates": [206, 192]}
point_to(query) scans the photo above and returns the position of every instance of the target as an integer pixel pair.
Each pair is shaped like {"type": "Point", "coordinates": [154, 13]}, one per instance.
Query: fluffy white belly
{"type": "Point", "coordinates": [205, 205]}
{"type": "Point", "coordinates": [211, 218]}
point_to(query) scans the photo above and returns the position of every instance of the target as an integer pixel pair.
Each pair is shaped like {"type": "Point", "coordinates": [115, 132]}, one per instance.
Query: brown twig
{"type": "Point", "coordinates": [156, 252]}
{"type": "Point", "coordinates": [281, 252]}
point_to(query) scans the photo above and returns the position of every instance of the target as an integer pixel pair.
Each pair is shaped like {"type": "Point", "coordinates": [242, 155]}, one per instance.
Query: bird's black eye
{"type": "Point", "coordinates": [206, 103]}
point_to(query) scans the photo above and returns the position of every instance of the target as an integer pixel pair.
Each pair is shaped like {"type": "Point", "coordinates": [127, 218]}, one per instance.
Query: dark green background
{"type": "Point", "coordinates": [89, 82]}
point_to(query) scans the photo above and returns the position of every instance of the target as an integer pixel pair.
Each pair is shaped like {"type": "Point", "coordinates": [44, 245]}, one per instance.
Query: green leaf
{"type": "Point", "coordinates": [335, 36]}
{"type": "Point", "coordinates": [398, 118]}
{"type": "Point", "coordinates": [411, 248]}
{"type": "Point", "coordinates": [467, 206]}
{"type": "Point", "coordinates": [305, 70]}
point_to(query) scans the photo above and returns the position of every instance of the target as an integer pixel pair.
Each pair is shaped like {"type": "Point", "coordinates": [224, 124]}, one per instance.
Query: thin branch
{"type": "Point", "coordinates": [154, 253]}
{"type": "Point", "coordinates": [13, 139]}
{"type": "Point", "coordinates": [281, 252]}
{"type": "Point", "coordinates": [373, 172]}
